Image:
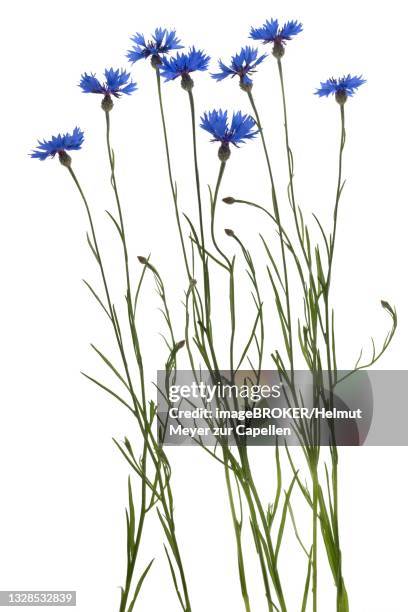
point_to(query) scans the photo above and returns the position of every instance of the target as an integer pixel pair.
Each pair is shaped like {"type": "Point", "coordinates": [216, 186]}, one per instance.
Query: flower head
{"type": "Point", "coordinates": [59, 144]}
{"type": "Point", "coordinates": [242, 64]}
{"type": "Point", "coordinates": [342, 88]}
{"type": "Point", "coordinates": [116, 83]}
{"type": "Point", "coordinates": [183, 64]}
{"type": "Point", "coordinates": [162, 42]}
{"type": "Point", "coordinates": [241, 129]}
{"type": "Point", "coordinates": [270, 32]}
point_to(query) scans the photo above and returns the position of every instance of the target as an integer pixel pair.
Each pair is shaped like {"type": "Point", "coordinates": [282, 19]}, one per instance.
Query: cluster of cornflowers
{"type": "Point", "coordinates": [241, 128]}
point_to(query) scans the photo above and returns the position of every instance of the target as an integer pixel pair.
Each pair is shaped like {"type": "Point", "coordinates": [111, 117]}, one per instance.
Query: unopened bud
{"type": "Point", "coordinates": [387, 307]}
{"type": "Point", "coordinates": [64, 158]}
{"type": "Point", "coordinates": [179, 345]}
{"type": "Point", "coordinates": [224, 152]}
{"type": "Point", "coordinates": [229, 232]}
{"type": "Point", "coordinates": [187, 82]}
{"type": "Point", "coordinates": [142, 259]}
{"type": "Point", "coordinates": [229, 200]}
{"type": "Point", "coordinates": [107, 103]}
{"type": "Point", "coordinates": [341, 97]}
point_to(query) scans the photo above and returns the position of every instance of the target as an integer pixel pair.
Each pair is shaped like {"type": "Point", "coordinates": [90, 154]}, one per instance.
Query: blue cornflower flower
{"type": "Point", "coordinates": [116, 83]}
{"type": "Point", "coordinates": [241, 128]}
{"type": "Point", "coordinates": [270, 32]}
{"type": "Point", "coordinates": [242, 64]}
{"type": "Point", "coordinates": [59, 144]}
{"type": "Point", "coordinates": [182, 64]}
{"type": "Point", "coordinates": [341, 88]}
{"type": "Point", "coordinates": [162, 42]}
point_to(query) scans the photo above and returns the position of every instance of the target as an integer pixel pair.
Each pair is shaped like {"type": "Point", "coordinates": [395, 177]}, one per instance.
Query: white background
{"type": "Point", "coordinates": [63, 483]}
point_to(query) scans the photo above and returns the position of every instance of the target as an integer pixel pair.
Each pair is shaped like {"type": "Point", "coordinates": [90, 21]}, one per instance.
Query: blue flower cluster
{"type": "Point", "coordinates": [243, 65]}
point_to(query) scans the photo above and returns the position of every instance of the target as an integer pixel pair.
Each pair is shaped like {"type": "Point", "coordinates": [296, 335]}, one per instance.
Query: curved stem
{"type": "Point", "coordinates": [214, 199]}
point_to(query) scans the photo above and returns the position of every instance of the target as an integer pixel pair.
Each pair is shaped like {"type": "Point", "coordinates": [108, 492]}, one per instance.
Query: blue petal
{"type": "Point", "coordinates": [290, 29]}
{"type": "Point", "coordinates": [267, 32]}
{"type": "Point", "coordinates": [90, 84]}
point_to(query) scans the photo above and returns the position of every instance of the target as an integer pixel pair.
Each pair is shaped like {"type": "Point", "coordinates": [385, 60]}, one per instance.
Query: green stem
{"type": "Point", "coordinates": [280, 230]}
{"type": "Point", "coordinates": [315, 519]}
{"type": "Point", "coordinates": [237, 531]}
{"type": "Point", "coordinates": [342, 600]}
{"type": "Point", "coordinates": [172, 183]}
{"type": "Point", "coordinates": [142, 513]}
{"type": "Point", "coordinates": [196, 168]}
{"type": "Point", "coordinates": [213, 208]}
{"type": "Point", "coordinates": [290, 166]}
{"type": "Point", "coordinates": [126, 258]}
{"type": "Point", "coordinates": [338, 191]}
{"type": "Point", "coordinates": [139, 413]}
{"type": "Point", "coordinates": [202, 250]}
{"type": "Point", "coordinates": [272, 563]}
{"type": "Point", "coordinates": [315, 460]}
{"type": "Point", "coordinates": [190, 278]}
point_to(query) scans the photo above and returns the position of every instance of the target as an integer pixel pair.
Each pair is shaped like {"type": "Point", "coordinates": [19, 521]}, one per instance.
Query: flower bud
{"type": "Point", "coordinates": [387, 307]}
{"type": "Point", "coordinates": [278, 49]}
{"type": "Point", "coordinates": [229, 200]}
{"type": "Point", "coordinates": [224, 152]}
{"type": "Point", "coordinates": [142, 259]}
{"type": "Point", "coordinates": [187, 82]}
{"type": "Point", "coordinates": [179, 345]}
{"type": "Point", "coordinates": [64, 158]}
{"type": "Point", "coordinates": [107, 103]}
{"type": "Point", "coordinates": [341, 97]}
{"type": "Point", "coordinates": [229, 232]}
